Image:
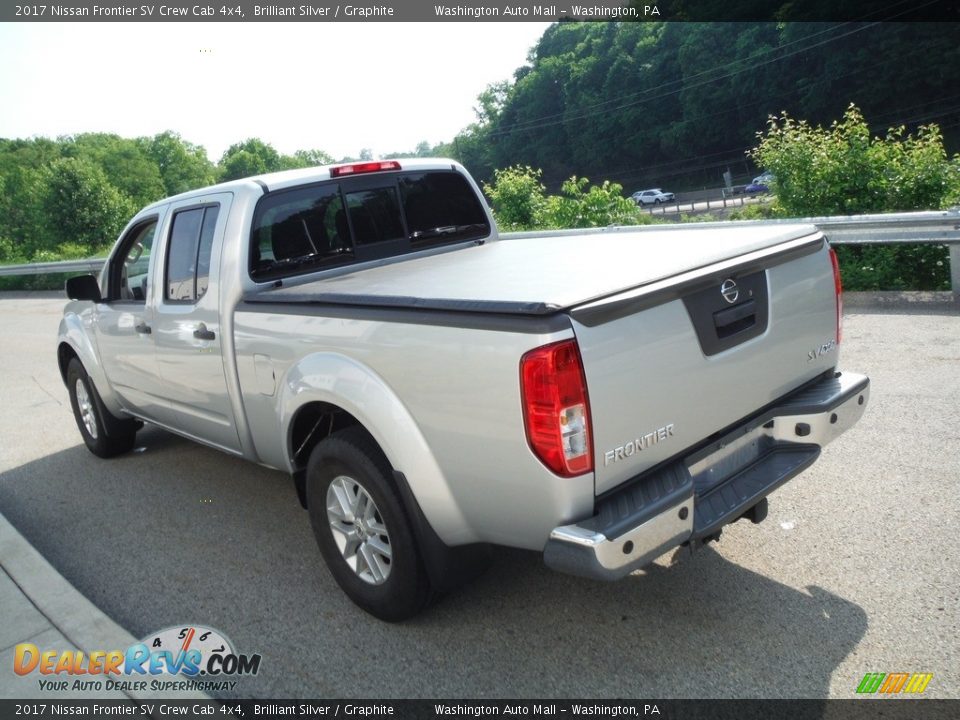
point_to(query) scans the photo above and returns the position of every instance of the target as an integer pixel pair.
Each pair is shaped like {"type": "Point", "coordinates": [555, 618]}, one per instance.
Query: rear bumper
{"type": "Point", "coordinates": [692, 498]}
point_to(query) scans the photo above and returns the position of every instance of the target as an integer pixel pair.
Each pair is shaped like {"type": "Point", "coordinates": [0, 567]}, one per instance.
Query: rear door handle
{"type": "Point", "coordinates": [201, 333]}
{"type": "Point", "coordinates": [142, 328]}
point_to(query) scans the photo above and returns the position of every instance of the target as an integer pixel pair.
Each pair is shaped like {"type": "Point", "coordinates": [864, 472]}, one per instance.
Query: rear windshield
{"type": "Point", "coordinates": [363, 218]}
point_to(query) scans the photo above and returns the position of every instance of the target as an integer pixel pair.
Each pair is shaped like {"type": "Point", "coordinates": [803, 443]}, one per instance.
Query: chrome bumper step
{"type": "Point", "coordinates": [716, 484]}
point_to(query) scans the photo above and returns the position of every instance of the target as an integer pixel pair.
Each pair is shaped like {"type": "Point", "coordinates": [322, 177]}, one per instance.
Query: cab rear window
{"type": "Point", "coordinates": [364, 218]}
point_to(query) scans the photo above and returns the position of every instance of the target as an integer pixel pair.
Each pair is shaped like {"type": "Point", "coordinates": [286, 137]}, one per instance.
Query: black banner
{"type": "Point", "coordinates": [859, 709]}
{"type": "Point", "coordinates": [483, 11]}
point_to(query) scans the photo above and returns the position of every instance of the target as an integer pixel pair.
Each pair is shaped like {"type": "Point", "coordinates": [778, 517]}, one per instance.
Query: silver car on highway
{"type": "Point", "coordinates": [655, 196]}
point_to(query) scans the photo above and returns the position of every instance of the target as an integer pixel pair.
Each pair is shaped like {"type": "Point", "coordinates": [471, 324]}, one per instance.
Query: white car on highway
{"type": "Point", "coordinates": [654, 196]}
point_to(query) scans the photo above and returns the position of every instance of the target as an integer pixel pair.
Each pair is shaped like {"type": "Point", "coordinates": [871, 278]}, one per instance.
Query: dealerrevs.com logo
{"type": "Point", "coordinates": [186, 657]}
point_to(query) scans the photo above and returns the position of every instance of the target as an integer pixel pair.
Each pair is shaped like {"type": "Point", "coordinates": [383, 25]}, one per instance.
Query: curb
{"type": "Point", "coordinates": [80, 621]}
{"type": "Point", "coordinates": [902, 302]}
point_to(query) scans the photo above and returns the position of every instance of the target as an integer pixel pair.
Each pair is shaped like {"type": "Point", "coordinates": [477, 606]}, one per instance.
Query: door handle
{"type": "Point", "coordinates": [142, 328]}
{"type": "Point", "coordinates": [201, 333]}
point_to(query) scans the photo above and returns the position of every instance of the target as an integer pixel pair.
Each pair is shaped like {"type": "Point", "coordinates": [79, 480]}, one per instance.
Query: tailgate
{"type": "Point", "coordinates": [672, 363]}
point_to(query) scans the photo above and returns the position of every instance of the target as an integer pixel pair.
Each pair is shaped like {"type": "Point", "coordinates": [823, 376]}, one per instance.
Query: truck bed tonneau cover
{"type": "Point", "coordinates": [534, 276]}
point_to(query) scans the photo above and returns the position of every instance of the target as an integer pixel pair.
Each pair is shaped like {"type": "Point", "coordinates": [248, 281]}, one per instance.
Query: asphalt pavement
{"type": "Point", "coordinates": [854, 571]}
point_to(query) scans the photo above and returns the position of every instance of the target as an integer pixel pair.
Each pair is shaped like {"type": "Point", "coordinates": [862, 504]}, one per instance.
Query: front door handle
{"type": "Point", "coordinates": [201, 333]}
{"type": "Point", "coordinates": [142, 328]}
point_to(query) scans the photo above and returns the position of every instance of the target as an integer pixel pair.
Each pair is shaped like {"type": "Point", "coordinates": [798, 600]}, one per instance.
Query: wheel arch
{"type": "Point", "coordinates": [65, 353]}
{"type": "Point", "coordinates": [312, 422]}
{"type": "Point", "coordinates": [325, 392]}
{"type": "Point", "coordinates": [74, 341]}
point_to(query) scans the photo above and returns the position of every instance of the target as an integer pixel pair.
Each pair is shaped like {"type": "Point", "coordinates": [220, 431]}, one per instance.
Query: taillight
{"type": "Point", "coordinates": [838, 289]}
{"type": "Point", "coordinates": [366, 167]}
{"type": "Point", "coordinates": [556, 411]}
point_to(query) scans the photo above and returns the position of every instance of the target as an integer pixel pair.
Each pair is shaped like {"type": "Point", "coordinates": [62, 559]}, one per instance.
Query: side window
{"type": "Point", "coordinates": [441, 207]}
{"type": "Point", "coordinates": [299, 230]}
{"type": "Point", "coordinates": [130, 271]}
{"type": "Point", "coordinates": [205, 250]}
{"type": "Point", "coordinates": [188, 254]}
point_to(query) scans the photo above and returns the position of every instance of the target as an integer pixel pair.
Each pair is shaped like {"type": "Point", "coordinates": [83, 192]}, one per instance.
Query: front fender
{"type": "Point", "coordinates": [76, 330]}
{"type": "Point", "coordinates": [341, 381]}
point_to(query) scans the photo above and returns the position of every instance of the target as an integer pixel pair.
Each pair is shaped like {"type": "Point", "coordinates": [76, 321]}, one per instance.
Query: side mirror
{"type": "Point", "coordinates": [83, 287]}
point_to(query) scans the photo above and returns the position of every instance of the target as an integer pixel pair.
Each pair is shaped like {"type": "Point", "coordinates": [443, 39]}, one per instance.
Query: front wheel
{"type": "Point", "coordinates": [104, 436]}
{"type": "Point", "coordinates": [362, 528]}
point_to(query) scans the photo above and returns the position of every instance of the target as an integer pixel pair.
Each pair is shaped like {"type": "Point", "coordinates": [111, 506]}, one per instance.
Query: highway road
{"type": "Point", "coordinates": [854, 571]}
{"type": "Point", "coordinates": [735, 202]}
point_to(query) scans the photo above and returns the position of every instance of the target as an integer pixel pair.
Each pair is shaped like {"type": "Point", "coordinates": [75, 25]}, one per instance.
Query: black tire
{"type": "Point", "coordinates": [352, 456]}
{"type": "Point", "coordinates": [656, 201]}
{"type": "Point", "coordinates": [107, 436]}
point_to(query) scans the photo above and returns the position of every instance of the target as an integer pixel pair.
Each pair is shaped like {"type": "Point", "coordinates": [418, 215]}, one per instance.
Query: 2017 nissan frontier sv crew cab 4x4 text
{"type": "Point", "coordinates": [435, 389]}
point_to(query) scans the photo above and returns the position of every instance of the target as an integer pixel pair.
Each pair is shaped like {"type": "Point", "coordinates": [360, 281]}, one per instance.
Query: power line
{"type": "Point", "coordinates": [732, 63]}
{"type": "Point", "coordinates": [581, 115]}
{"type": "Point", "coordinates": [599, 108]}
{"type": "Point", "coordinates": [682, 167]}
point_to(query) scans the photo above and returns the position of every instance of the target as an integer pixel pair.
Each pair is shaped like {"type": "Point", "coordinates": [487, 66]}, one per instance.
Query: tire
{"type": "Point", "coordinates": [362, 528]}
{"type": "Point", "coordinates": [105, 435]}
{"type": "Point", "coordinates": [656, 201]}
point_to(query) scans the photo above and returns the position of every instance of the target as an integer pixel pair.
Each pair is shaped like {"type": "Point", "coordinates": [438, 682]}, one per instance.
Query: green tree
{"type": "Point", "coordinates": [520, 203]}
{"type": "Point", "coordinates": [82, 208]}
{"type": "Point", "coordinates": [672, 104]}
{"type": "Point", "coordinates": [518, 198]}
{"type": "Point", "coordinates": [490, 102]}
{"type": "Point", "coordinates": [250, 157]}
{"type": "Point", "coordinates": [8, 253]}
{"type": "Point", "coordinates": [843, 169]}
{"type": "Point", "coordinates": [22, 217]}
{"type": "Point", "coordinates": [182, 165]}
{"type": "Point", "coordinates": [124, 162]}
{"type": "Point", "coordinates": [581, 205]}
{"type": "Point", "coordinates": [241, 164]}
{"type": "Point", "coordinates": [312, 158]}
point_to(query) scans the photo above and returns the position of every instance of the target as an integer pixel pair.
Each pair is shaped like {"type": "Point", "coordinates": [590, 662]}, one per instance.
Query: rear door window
{"type": "Point", "coordinates": [188, 254]}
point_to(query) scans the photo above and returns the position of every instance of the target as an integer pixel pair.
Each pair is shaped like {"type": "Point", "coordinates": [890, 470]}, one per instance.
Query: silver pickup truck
{"type": "Point", "coordinates": [435, 389]}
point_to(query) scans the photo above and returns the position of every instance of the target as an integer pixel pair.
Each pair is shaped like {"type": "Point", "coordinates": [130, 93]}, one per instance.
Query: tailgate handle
{"type": "Point", "coordinates": [733, 320]}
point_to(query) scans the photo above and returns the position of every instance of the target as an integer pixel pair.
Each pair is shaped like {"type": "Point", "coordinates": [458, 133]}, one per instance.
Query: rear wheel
{"type": "Point", "coordinates": [362, 527]}
{"type": "Point", "coordinates": [104, 435]}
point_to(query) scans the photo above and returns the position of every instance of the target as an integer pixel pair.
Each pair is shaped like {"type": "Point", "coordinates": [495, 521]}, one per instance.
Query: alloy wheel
{"type": "Point", "coordinates": [358, 530]}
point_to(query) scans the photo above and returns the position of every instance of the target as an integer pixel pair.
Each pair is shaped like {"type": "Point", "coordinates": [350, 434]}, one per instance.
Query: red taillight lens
{"type": "Point", "coordinates": [556, 411]}
{"type": "Point", "coordinates": [838, 288]}
{"type": "Point", "coordinates": [367, 167]}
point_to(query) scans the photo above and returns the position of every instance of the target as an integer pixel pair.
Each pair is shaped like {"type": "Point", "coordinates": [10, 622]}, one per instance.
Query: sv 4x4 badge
{"type": "Point", "coordinates": [819, 352]}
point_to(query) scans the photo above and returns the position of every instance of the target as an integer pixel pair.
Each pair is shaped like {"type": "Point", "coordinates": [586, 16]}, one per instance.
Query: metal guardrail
{"type": "Point", "coordinates": [936, 226]}
{"type": "Point", "coordinates": [91, 265]}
